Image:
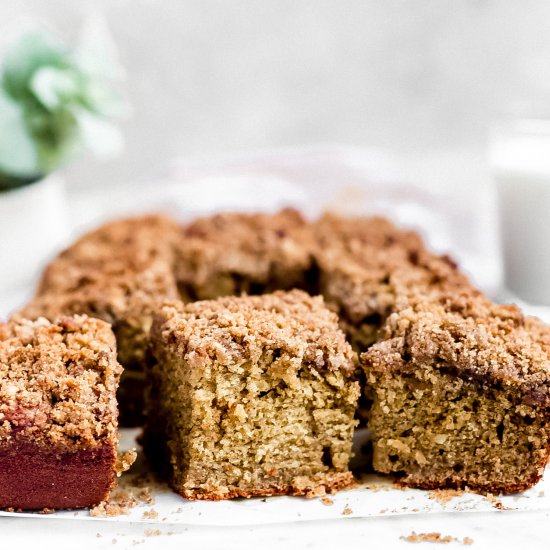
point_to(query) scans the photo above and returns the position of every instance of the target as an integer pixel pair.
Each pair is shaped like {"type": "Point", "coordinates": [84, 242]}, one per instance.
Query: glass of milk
{"type": "Point", "coordinates": [520, 157]}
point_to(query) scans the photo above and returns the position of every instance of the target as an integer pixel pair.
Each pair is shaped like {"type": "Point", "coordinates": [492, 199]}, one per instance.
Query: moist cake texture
{"type": "Point", "coordinates": [460, 391]}
{"type": "Point", "coordinates": [58, 413]}
{"type": "Point", "coordinates": [252, 396]}
{"type": "Point", "coordinates": [230, 254]}
{"type": "Point", "coordinates": [117, 273]}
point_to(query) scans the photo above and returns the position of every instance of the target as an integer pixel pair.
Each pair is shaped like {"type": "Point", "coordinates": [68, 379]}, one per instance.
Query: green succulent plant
{"type": "Point", "coordinates": [54, 103]}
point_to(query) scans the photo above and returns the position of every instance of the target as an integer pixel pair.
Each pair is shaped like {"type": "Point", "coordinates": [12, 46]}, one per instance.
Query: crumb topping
{"type": "Point", "coordinates": [467, 332]}
{"type": "Point", "coordinates": [237, 328]}
{"type": "Point", "coordinates": [247, 244]}
{"type": "Point", "coordinates": [58, 381]}
{"type": "Point", "coordinates": [367, 263]}
{"type": "Point", "coordinates": [116, 271]}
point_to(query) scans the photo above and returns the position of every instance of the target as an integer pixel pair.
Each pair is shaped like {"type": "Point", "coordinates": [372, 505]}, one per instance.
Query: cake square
{"type": "Point", "coordinates": [234, 253]}
{"type": "Point", "coordinates": [251, 396]}
{"type": "Point", "coordinates": [460, 394]}
{"type": "Point", "coordinates": [58, 413]}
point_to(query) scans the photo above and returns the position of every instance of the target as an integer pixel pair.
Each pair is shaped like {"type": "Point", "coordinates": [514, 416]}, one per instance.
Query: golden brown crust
{"type": "Point", "coordinates": [232, 329]}
{"type": "Point", "coordinates": [58, 382]}
{"type": "Point", "coordinates": [330, 483]}
{"type": "Point", "coordinates": [456, 482]}
{"type": "Point", "coordinates": [467, 333]}
{"type": "Point", "coordinates": [367, 264]}
{"type": "Point", "coordinates": [115, 272]}
{"type": "Point", "coordinates": [231, 253]}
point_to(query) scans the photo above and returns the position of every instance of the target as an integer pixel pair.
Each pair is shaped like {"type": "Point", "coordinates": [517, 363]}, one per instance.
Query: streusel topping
{"type": "Point", "coordinates": [58, 381]}
{"type": "Point", "coordinates": [233, 328]}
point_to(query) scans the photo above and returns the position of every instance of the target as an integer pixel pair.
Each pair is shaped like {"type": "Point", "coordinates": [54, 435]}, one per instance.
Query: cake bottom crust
{"type": "Point", "coordinates": [497, 488]}
{"type": "Point", "coordinates": [35, 478]}
{"type": "Point", "coordinates": [306, 487]}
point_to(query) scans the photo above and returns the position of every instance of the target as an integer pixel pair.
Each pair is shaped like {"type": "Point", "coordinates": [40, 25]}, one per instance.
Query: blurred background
{"type": "Point", "coordinates": [417, 77]}
{"type": "Point", "coordinates": [408, 94]}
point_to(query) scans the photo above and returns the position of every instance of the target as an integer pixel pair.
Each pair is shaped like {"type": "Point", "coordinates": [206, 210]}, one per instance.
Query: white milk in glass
{"type": "Point", "coordinates": [520, 155]}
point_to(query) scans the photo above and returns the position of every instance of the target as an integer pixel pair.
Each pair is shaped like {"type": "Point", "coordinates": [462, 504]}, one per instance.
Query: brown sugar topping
{"type": "Point", "coordinates": [484, 341]}
{"type": "Point", "coordinates": [117, 270]}
{"type": "Point", "coordinates": [231, 328]}
{"type": "Point", "coordinates": [270, 250]}
{"type": "Point", "coordinates": [367, 263]}
{"type": "Point", "coordinates": [58, 382]}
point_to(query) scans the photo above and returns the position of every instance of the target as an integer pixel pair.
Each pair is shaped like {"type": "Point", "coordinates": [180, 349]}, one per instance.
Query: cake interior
{"type": "Point", "coordinates": [435, 429]}
{"type": "Point", "coordinates": [251, 429]}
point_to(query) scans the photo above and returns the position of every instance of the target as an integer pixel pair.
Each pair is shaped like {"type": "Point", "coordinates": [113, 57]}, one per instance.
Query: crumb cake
{"type": "Point", "coordinates": [230, 254]}
{"type": "Point", "coordinates": [460, 394]}
{"type": "Point", "coordinates": [58, 413]}
{"type": "Point", "coordinates": [252, 396]}
{"type": "Point", "coordinates": [456, 386]}
{"type": "Point", "coordinates": [116, 273]}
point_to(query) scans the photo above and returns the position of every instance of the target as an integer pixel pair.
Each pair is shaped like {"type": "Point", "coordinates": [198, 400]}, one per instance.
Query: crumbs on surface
{"type": "Point", "coordinates": [347, 511]}
{"type": "Point", "coordinates": [121, 501]}
{"type": "Point", "coordinates": [150, 514]}
{"type": "Point", "coordinates": [443, 496]}
{"type": "Point", "coordinates": [152, 532]}
{"type": "Point", "coordinates": [436, 538]}
{"type": "Point", "coordinates": [489, 497]}
{"type": "Point", "coordinates": [327, 501]}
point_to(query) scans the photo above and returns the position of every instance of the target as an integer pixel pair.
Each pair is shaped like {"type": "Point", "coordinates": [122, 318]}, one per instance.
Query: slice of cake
{"type": "Point", "coordinates": [251, 396]}
{"type": "Point", "coordinates": [460, 393]}
{"type": "Point", "coordinates": [230, 254]}
{"type": "Point", "coordinates": [366, 263]}
{"type": "Point", "coordinates": [117, 273]}
{"type": "Point", "coordinates": [58, 413]}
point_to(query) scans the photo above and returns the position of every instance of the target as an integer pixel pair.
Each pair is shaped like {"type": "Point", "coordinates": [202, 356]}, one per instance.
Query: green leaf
{"type": "Point", "coordinates": [53, 87]}
{"type": "Point", "coordinates": [32, 51]}
{"type": "Point", "coordinates": [17, 149]}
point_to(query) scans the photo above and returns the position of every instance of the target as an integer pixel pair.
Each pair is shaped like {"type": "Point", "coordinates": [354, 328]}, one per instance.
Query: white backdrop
{"type": "Point", "coordinates": [423, 78]}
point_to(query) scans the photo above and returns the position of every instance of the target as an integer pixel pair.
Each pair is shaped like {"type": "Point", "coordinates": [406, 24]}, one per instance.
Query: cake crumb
{"type": "Point", "coordinates": [121, 501]}
{"type": "Point", "coordinates": [124, 461]}
{"type": "Point", "coordinates": [150, 514]}
{"type": "Point", "coordinates": [435, 538]}
{"type": "Point", "coordinates": [541, 494]}
{"type": "Point", "coordinates": [98, 535]}
{"type": "Point", "coordinates": [46, 511]}
{"type": "Point", "coordinates": [443, 496]}
{"type": "Point", "coordinates": [327, 501]}
{"type": "Point", "coordinates": [152, 532]}
{"type": "Point", "coordinates": [495, 502]}
{"type": "Point", "coordinates": [347, 511]}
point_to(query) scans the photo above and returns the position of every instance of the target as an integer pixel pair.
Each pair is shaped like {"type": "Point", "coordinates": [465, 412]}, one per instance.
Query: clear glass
{"type": "Point", "coordinates": [520, 158]}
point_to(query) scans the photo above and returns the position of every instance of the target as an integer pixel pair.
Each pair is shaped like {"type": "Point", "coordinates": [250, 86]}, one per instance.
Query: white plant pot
{"type": "Point", "coordinates": [33, 226]}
